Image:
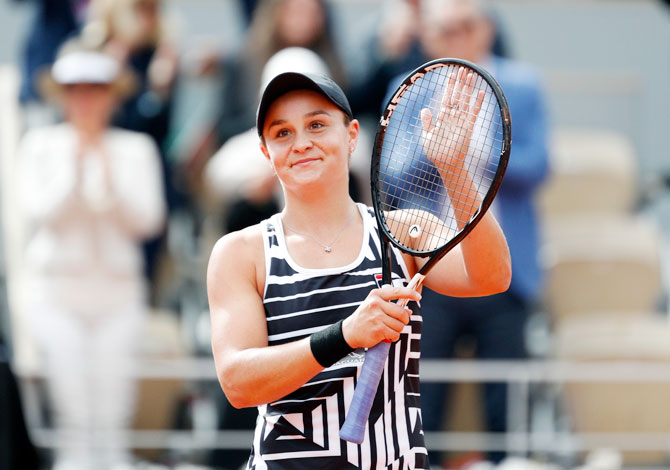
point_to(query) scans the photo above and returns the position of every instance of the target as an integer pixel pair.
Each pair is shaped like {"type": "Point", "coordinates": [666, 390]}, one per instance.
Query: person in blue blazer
{"type": "Point", "coordinates": [466, 29]}
{"type": "Point", "coordinates": [53, 22]}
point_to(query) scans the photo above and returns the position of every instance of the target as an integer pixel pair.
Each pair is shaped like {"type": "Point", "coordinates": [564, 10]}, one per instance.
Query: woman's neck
{"type": "Point", "coordinates": [323, 214]}
{"type": "Point", "coordinates": [323, 233]}
{"type": "Point", "coordinates": [91, 129]}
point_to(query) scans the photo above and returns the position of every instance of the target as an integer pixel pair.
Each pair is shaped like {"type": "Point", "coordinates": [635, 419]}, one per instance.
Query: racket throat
{"type": "Point", "coordinates": [387, 264]}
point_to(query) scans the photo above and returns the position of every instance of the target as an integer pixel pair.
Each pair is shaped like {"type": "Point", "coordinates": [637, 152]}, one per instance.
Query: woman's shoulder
{"type": "Point", "coordinates": [247, 237]}
{"type": "Point", "coordinates": [49, 131]}
{"type": "Point", "coordinates": [51, 139]}
{"type": "Point", "coordinates": [242, 246]}
{"type": "Point", "coordinates": [240, 254]}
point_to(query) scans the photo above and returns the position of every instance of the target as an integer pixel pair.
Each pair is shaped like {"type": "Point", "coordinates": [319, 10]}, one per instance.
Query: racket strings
{"type": "Point", "coordinates": [411, 190]}
{"type": "Point", "coordinates": [432, 187]}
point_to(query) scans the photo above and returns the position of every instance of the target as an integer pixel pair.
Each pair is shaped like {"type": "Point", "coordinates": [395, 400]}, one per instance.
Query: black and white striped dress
{"type": "Point", "coordinates": [301, 430]}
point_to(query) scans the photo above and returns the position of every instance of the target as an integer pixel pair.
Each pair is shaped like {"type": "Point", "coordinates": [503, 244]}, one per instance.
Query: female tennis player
{"type": "Point", "coordinates": [296, 299]}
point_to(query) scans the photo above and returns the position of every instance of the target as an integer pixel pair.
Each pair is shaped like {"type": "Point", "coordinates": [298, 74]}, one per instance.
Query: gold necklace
{"type": "Point", "coordinates": [327, 248]}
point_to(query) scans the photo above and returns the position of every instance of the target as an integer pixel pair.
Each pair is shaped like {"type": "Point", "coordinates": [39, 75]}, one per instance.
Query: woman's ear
{"type": "Point", "coordinates": [353, 131]}
{"type": "Point", "coordinates": [267, 156]}
{"type": "Point", "coordinates": [265, 151]}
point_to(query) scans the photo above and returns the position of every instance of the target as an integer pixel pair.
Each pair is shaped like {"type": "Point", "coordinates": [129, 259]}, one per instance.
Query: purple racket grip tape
{"type": "Point", "coordinates": [353, 429]}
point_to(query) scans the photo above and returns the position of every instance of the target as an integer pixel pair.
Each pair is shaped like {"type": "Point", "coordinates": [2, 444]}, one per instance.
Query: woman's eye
{"type": "Point", "coordinates": [316, 125]}
{"type": "Point", "coordinates": [282, 133]}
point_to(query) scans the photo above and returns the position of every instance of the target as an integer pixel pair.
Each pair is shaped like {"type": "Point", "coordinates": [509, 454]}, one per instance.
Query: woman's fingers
{"type": "Point", "coordinates": [478, 106]}
{"type": "Point", "coordinates": [389, 293]}
{"type": "Point", "coordinates": [456, 99]}
{"type": "Point", "coordinates": [394, 324]}
{"type": "Point", "coordinates": [446, 103]}
{"type": "Point", "coordinates": [380, 317]}
{"type": "Point", "coordinates": [469, 81]}
{"type": "Point", "coordinates": [397, 312]}
{"type": "Point", "coordinates": [395, 320]}
{"type": "Point", "coordinates": [458, 89]}
{"type": "Point", "coordinates": [426, 120]}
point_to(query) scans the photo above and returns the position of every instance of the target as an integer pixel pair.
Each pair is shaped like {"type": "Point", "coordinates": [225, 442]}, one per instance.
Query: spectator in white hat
{"type": "Point", "coordinates": [90, 194]}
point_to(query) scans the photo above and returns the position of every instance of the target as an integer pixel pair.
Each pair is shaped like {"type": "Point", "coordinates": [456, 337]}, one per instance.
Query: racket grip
{"type": "Point", "coordinates": [353, 429]}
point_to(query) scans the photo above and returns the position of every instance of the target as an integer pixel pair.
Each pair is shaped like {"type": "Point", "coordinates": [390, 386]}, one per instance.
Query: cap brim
{"type": "Point", "coordinates": [291, 81]}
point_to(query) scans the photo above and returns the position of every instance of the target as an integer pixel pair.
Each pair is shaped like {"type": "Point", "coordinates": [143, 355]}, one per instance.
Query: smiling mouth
{"type": "Point", "coordinates": [304, 162]}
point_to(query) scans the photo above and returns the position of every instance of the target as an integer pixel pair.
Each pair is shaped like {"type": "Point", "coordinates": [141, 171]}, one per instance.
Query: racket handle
{"type": "Point", "coordinates": [353, 429]}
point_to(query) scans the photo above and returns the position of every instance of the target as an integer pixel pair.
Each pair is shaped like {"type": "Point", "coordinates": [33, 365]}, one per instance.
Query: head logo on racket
{"type": "Point", "coordinates": [415, 231]}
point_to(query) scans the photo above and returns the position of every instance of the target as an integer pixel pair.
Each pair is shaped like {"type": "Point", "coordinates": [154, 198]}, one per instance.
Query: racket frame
{"type": "Point", "coordinates": [506, 124]}
{"type": "Point", "coordinates": [354, 428]}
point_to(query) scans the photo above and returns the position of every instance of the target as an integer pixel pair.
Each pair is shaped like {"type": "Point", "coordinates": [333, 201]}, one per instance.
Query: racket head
{"type": "Point", "coordinates": [405, 181]}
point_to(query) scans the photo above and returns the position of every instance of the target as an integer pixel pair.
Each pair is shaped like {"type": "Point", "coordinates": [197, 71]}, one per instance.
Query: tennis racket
{"type": "Point", "coordinates": [440, 155]}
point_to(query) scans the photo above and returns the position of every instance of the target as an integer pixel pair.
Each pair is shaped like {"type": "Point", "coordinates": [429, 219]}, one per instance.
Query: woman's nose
{"type": "Point", "coordinates": [302, 142]}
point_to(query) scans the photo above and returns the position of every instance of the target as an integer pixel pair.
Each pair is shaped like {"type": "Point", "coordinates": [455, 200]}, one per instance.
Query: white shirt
{"type": "Point", "coordinates": [88, 218]}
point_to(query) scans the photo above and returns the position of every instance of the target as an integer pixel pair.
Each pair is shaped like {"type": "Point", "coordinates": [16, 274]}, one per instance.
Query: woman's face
{"type": "Point", "coordinates": [457, 29]}
{"type": "Point", "coordinates": [89, 105]}
{"type": "Point", "coordinates": [307, 140]}
{"type": "Point", "coordinates": [299, 22]}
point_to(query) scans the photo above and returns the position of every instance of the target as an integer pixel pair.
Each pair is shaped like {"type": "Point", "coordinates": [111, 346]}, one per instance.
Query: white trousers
{"type": "Point", "coordinates": [88, 332]}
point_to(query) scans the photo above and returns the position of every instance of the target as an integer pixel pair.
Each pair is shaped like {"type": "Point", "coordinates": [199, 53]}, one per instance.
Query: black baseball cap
{"type": "Point", "coordinates": [290, 81]}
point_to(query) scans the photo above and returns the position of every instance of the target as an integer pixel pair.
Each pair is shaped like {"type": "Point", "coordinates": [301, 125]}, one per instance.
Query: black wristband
{"type": "Point", "coordinates": [328, 345]}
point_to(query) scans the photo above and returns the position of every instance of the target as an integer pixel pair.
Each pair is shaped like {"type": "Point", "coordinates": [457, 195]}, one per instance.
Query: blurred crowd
{"type": "Point", "coordinates": [101, 192]}
{"type": "Point", "coordinates": [118, 224]}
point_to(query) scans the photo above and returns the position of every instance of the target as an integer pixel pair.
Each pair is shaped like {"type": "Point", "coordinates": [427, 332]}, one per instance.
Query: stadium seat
{"type": "Point", "coordinates": [601, 263]}
{"type": "Point", "coordinates": [157, 399]}
{"type": "Point", "coordinates": [591, 171]}
{"type": "Point", "coordinates": [618, 407]}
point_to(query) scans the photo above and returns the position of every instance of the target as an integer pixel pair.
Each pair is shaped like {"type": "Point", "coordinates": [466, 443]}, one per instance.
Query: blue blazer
{"type": "Point", "coordinates": [52, 24]}
{"type": "Point", "coordinates": [527, 168]}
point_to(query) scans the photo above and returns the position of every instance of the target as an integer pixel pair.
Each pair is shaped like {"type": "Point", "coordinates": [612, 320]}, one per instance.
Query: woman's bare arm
{"type": "Point", "coordinates": [250, 371]}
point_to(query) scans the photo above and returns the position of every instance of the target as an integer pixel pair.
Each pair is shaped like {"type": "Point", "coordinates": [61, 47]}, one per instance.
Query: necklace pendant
{"type": "Point", "coordinates": [327, 249]}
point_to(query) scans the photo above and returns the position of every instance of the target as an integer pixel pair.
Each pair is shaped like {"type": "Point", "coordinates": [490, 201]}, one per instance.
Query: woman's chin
{"type": "Point", "coordinates": [311, 180]}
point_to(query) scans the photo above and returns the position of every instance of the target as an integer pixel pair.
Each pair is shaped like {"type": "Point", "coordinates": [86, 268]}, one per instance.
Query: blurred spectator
{"type": "Point", "coordinates": [465, 29]}
{"type": "Point", "coordinates": [248, 7]}
{"type": "Point", "coordinates": [136, 33]}
{"type": "Point", "coordinates": [54, 21]}
{"type": "Point", "coordinates": [90, 194]}
{"type": "Point", "coordinates": [393, 50]}
{"type": "Point", "coordinates": [276, 24]}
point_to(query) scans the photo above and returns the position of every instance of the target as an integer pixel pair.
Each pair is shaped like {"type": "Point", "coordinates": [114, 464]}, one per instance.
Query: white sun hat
{"type": "Point", "coordinates": [292, 59]}
{"type": "Point", "coordinates": [85, 67]}
{"type": "Point", "coordinates": [77, 64]}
